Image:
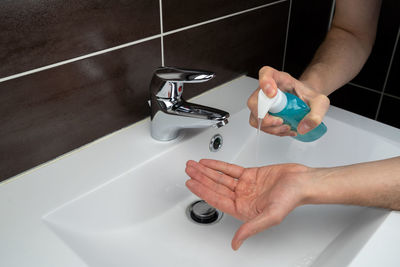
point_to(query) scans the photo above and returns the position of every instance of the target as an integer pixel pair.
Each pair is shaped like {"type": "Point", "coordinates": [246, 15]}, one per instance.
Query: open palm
{"type": "Point", "coordinates": [261, 197]}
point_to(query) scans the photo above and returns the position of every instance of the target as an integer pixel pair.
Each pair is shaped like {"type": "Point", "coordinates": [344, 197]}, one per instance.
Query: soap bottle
{"type": "Point", "coordinates": [292, 110]}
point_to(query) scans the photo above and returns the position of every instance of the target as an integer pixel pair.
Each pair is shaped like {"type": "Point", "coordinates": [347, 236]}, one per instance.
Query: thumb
{"type": "Point", "coordinates": [263, 221]}
{"type": "Point", "coordinates": [267, 82]}
{"type": "Point", "coordinates": [319, 107]}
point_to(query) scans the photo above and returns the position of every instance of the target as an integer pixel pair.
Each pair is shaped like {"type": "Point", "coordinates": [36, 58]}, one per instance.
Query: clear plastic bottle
{"type": "Point", "coordinates": [292, 110]}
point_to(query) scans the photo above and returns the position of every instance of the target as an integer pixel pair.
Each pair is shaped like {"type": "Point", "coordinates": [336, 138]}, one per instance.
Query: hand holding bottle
{"type": "Point", "coordinates": [269, 80]}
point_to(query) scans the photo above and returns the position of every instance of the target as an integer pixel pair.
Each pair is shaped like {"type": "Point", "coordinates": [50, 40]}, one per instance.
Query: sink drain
{"type": "Point", "coordinates": [216, 143]}
{"type": "Point", "coordinates": [202, 213]}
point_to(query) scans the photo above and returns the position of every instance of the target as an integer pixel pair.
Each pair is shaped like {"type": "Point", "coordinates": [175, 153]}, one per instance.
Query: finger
{"type": "Point", "coordinates": [283, 130]}
{"type": "Point", "coordinates": [218, 188]}
{"type": "Point", "coordinates": [252, 103]}
{"type": "Point", "coordinates": [267, 81]}
{"type": "Point", "coordinates": [232, 170]}
{"type": "Point", "coordinates": [215, 176]}
{"type": "Point", "coordinates": [270, 126]}
{"type": "Point", "coordinates": [270, 79]}
{"type": "Point", "coordinates": [214, 199]}
{"type": "Point", "coordinates": [263, 221]}
{"type": "Point", "coordinates": [319, 107]}
{"type": "Point", "coordinates": [268, 121]}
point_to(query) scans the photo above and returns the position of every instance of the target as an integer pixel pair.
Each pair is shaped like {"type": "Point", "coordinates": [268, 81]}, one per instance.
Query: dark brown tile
{"type": "Point", "coordinates": [357, 100]}
{"type": "Point", "coordinates": [389, 112]}
{"type": "Point", "coordinates": [38, 33]}
{"type": "Point", "coordinates": [374, 72]}
{"type": "Point", "coordinates": [309, 20]}
{"type": "Point", "coordinates": [232, 46]}
{"type": "Point", "coordinates": [177, 13]}
{"type": "Point", "coordinates": [49, 113]}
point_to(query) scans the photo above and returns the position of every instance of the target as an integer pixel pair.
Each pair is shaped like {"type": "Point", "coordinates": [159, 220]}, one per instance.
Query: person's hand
{"type": "Point", "coordinates": [260, 197]}
{"type": "Point", "coordinates": [269, 80]}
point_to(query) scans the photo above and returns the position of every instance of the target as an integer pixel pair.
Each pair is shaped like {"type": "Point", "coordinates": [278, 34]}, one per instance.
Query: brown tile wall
{"type": "Point", "coordinates": [77, 96]}
{"type": "Point", "coordinates": [39, 33]}
{"type": "Point", "coordinates": [48, 113]}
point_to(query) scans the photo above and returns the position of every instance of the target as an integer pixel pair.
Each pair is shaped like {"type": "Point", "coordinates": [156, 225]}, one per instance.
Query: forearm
{"type": "Point", "coordinates": [337, 61]}
{"type": "Point", "coordinates": [346, 46]}
{"type": "Point", "coordinates": [374, 183]}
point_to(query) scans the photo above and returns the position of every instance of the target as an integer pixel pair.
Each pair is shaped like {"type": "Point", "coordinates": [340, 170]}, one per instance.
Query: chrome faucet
{"type": "Point", "coordinates": [170, 113]}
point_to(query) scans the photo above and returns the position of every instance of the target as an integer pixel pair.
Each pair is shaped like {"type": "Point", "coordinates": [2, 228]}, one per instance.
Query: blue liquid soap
{"type": "Point", "coordinates": [292, 110]}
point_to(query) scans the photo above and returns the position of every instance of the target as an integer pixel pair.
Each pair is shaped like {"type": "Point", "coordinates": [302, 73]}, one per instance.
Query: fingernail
{"type": "Point", "coordinates": [286, 128]}
{"type": "Point", "coordinates": [240, 242]}
{"type": "Point", "coordinates": [188, 183]}
{"type": "Point", "coordinates": [268, 90]}
{"type": "Point", "coordinates": [278, 121]}
{"type": "Point", "coordinates": [303, 128]}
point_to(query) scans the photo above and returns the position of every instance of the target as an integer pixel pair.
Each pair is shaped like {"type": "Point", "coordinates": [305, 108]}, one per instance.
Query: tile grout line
{"type": "Point", "coordinates": [364, 87]}
{"type": "Point", "coordinates": [287, 35]}
{"type": "Point", "coordinates": [161, 35]}
{"type": "Point", "coordinates": [14, 76]}
{"type": "Point", "coordinates": [223, 17]}
{"type": "Point", "coordinates": [373, 90]}
{"type": "Point", "coordinates": [332, 14]}
{"type": "Point", "coordinates": [387, 74]}
{"type": "Point", "coordinates": [392, 96]}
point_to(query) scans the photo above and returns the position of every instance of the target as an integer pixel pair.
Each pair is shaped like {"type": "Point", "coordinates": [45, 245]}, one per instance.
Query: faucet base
{"type": "Point", "coordinates": [165, 136]}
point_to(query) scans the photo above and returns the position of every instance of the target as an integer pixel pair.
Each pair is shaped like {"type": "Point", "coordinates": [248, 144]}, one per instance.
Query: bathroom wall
{"type": "Point", "coordinates": [375, 92]}
{"type": "Point", "coordinates": [74, 71]}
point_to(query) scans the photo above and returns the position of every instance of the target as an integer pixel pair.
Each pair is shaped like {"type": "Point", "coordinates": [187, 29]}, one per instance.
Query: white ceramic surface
{"type": "Point", "coordinates": [121, 200]}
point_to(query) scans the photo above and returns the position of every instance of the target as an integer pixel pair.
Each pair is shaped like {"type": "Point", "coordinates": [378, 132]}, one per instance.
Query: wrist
{"type": "Point", "coordinates": [312, 78]}
{"type": "Point", "coordinates": [323, 188]}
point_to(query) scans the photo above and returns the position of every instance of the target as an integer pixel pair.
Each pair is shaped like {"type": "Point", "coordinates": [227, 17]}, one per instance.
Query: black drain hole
{"type": "Point", "coordinates": [200, 212]}
{"type": "Point", "coordinates": [204, 219]}
{"type": "Point", "coordinates": [216, 143]}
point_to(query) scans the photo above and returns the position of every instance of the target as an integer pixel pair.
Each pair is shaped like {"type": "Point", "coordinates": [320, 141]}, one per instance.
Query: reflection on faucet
{"type": "Point", "coordinates": [170, 113]}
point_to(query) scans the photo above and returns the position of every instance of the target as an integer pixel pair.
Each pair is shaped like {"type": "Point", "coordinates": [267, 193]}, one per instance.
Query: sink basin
{"type": "Point", "coordinates": [138, 217]}
{"type": "Point", "coordinates": [121, 200]}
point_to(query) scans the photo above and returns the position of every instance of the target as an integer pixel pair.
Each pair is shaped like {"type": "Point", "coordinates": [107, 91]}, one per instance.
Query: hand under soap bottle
{"type": "Point", "coordinates": [292, 110]}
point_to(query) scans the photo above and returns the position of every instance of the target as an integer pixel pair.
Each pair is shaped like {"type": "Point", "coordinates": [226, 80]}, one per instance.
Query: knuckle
{"type": "Point", "coordinates": [251, 102]}
{"type": "Point", "coordinates": [252, 121]}
{"type": "Point", "coordinates": [323, 99]}
{"type": "Point", "coordinates": [315, 119]}
{"type": "Point", "coordinates": [286, 74]}
{"type": "Point", "coordinates": [264, 69]}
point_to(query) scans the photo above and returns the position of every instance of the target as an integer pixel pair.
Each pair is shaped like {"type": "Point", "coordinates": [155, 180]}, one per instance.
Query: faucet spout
{"type": "Point", "coordinates": [170, 113]}
{"type": "Point", "coordinates": [167, 124]}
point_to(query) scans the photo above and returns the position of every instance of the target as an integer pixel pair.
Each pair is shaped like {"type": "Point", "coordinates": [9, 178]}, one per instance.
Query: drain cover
{"type": "Point", "coordinates": [216, 143]}
{"type": "Point", "coordinates": [200, 212]}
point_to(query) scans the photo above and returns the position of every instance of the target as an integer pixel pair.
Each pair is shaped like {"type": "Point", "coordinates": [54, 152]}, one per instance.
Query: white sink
{"type": "Point", "coordinates": [132, 210]}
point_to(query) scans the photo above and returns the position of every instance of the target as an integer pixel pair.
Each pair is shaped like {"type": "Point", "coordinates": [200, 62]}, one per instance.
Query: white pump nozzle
{"type": "Point", "coordinates": [274, 104]}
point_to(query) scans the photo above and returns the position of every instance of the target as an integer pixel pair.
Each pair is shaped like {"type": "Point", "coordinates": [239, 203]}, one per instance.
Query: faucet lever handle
{"type": "Point", "coordinates": [173, 74]}
{"type": "Point", "coordinates": [168, 82]}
